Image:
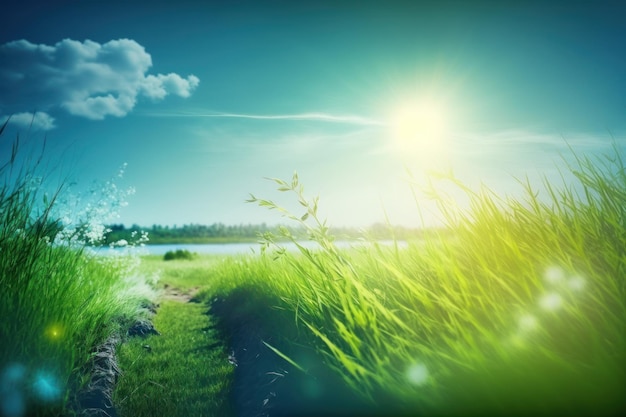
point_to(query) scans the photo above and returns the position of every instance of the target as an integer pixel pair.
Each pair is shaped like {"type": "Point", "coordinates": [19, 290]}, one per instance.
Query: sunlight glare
{"type": "Point", "coordinates": [419, 129]}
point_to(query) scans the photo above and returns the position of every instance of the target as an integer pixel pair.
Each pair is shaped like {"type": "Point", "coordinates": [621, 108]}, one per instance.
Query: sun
{"type": "Point", "coordinates": [419, 128]}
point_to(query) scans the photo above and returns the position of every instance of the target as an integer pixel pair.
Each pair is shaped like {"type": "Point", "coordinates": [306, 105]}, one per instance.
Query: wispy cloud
{"type": "Point", "coordinates": [316, 117]}
{"type": "Point", "coordinates": [519, 139]}
{"type": "Point", "coordinates": [86, 79]}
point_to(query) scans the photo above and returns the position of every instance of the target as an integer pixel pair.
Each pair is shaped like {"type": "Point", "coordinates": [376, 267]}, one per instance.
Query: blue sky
{"type": "Point", "coordinates": [203, 100]}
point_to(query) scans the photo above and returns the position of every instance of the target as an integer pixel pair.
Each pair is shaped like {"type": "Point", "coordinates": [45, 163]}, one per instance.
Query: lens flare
{"type": "Point", "coordinates": [54, 332]}
{"type": "Point", "coordinates": [576, 283]}
{"type": "Point", "coordinates": [554, 275]}
{"type": "Point", "coordinates": [417, 374]}
{"type": "Point", "coordinates": [528, 323]}
{"type": "Point", "coordinates": [46, 387]}
{"type": "Point", "coordinates": [551, 301]}
{"type": "Point", "coordinates": [12, 402]}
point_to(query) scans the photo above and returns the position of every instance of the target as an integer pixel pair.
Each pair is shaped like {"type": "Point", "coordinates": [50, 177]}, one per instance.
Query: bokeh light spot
{"type": "Point", "coordinates": [528, 323]}
{"type": "Point", "coordinates": [551, 301]}
{"type": "Point", "coordinates": [54, 331]}
{"type": "Point", "coordinates": [576, 283]}
{"type": "Point", "coordinates": [12, 375]}
{"type": "Point", "coordinates": [46, 387]}
{"type": "Point", "coordinates": [554, 275]}
{"type": "Point", "coordinates": [417, 374]}
{"type": "Point", "coordinates": [12, 403]}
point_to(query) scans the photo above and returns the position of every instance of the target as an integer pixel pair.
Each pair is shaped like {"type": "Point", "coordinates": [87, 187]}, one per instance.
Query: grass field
{"type": "Point", "coordinates": [517, 306]}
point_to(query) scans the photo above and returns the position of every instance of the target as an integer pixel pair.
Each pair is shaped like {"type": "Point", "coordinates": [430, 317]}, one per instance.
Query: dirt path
{"type": "Point", "coordinates": [175, 294]}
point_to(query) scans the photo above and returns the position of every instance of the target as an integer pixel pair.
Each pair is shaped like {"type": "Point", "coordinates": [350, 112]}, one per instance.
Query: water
{"type": "Point", "coordinates": [228, 248]}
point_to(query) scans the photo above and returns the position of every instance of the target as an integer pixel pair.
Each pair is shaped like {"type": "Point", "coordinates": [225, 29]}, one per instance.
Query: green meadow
{"type": "Point", "coordinates": [516, 306]}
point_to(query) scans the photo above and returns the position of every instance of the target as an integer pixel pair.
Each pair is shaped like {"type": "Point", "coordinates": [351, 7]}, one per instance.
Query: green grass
{"type": "Point", "coordinates": [182, 274]}
{"type": "Point", "coordinates": [57, 303]}
{"type": "Point", "coordinates": [519, 305]}
{"type": "Point", "coordinates": [184, 371]}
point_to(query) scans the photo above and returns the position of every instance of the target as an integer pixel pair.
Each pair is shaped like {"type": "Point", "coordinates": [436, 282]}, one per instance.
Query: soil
{"type": "Point", "coordinates": [95, 400]}
{"type": "Point", "coordinates": [175, 294]}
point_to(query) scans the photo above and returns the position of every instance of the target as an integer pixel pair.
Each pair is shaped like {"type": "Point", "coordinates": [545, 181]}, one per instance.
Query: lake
{"type": "Point", "coordinates": [227, 248]}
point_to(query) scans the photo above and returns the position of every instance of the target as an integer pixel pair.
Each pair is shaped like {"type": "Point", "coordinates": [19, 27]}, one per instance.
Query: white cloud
{"type": "Point", "coordinates": [101, 106]}
{"type": "Point", "coordinates": [160, 85]}
{"type": "Point", "coordinates": [40, 120]}
{"type": "Point", "coordinates": [85, 79]}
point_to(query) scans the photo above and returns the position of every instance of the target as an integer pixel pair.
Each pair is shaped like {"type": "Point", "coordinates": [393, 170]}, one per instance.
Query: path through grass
{"type": "Point", "coordinates": [516, 309]}
{"type": "Point", "coordinates": [182, 372]}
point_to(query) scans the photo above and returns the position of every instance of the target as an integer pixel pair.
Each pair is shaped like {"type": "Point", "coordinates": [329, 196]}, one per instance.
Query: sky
{"type": "Point", "coordinates": [205, 100]}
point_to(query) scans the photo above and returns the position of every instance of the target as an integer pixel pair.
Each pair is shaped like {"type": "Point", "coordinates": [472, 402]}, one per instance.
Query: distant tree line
{"type": "Point", "coordinates": [221, 233]}
{"type": "Point", "coordinates": [189, 233]}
